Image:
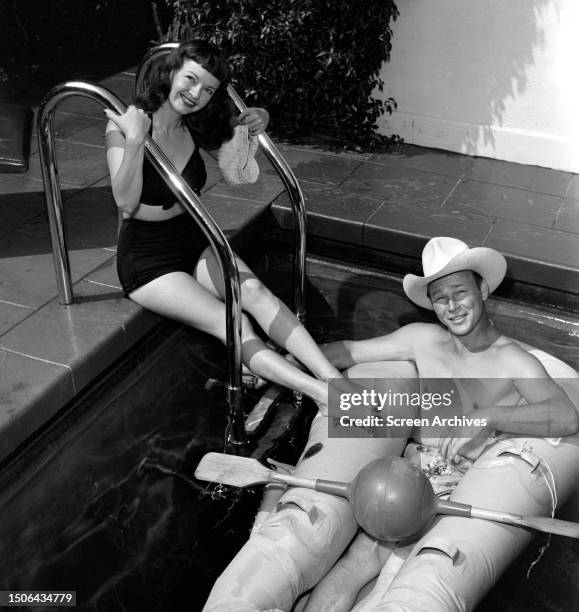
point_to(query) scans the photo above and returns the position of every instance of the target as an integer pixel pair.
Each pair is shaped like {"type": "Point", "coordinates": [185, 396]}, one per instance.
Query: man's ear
{"type": "Point", "coordinates": [484, 289]}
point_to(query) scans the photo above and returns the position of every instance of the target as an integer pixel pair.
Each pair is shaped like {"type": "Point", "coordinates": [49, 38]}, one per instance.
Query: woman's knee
{"type": "Point", "coordinates": [254, 294]}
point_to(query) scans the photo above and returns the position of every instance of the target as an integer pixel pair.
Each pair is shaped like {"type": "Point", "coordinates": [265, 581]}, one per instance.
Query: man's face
{"type": "Point", "coordinates": [458, 301]}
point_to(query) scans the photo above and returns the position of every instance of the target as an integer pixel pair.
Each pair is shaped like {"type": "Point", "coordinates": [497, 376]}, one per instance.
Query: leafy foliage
{"type": "Point", "coordinates": [313, 64]}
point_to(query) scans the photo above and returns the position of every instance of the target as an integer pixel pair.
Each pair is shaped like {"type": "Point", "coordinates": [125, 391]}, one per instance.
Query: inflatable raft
{"type": "Point", "coordinates": [301, 536]}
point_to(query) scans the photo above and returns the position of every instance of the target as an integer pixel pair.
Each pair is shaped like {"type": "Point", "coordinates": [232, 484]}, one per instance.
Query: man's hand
{"type": "Point", "coordinates": [454, 439]}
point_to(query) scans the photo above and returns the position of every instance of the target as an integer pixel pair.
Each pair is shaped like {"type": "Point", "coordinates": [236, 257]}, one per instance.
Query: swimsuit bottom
{"type": "Point", "coordinates": [147, 250]}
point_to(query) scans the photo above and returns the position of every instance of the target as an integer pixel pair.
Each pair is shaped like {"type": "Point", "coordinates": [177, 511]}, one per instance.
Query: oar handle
{"type": "Point", "coordinates": [453, 508]}
{"type": "Point", "coordinates": [341, 489]}
{"type": "Point", "coordinates": [325, 486]}
{"type": "Point", "coordinates": [540, 523]}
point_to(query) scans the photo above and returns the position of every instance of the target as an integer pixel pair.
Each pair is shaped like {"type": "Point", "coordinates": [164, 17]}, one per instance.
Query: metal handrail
{"type": "Point", "coordinates": [282, 168]}
{"type": "Point", "coordinates": [184, 194]}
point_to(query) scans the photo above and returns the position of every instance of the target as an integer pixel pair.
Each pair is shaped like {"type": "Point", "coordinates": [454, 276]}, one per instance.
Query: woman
{"type": "Point", "coordinates": [164, 260]}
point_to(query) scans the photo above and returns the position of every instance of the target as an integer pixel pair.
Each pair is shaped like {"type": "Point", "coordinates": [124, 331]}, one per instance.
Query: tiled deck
{"type": "Point", "coordinates": [391, 202]}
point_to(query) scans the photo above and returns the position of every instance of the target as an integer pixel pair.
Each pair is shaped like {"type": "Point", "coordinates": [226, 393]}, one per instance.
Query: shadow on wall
{"type": "Point", "coordinates": [512, 52]}
{"type": "Point", "coordinates": [456, 64]}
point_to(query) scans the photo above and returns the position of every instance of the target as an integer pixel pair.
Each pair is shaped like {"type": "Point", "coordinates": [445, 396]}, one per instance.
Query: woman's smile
{"type": "Point", "coordinates": [192, 88]}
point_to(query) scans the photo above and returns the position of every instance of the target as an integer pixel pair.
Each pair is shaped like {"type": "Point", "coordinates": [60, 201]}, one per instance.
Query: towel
{"type": "Point", "coordinates": [236, 158]}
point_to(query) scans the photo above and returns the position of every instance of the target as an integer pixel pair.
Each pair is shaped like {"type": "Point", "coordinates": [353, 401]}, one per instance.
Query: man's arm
{"type": "Point", "coordinates": [396, 346]}
{"type": "Point", "coordinates": [548, 412]}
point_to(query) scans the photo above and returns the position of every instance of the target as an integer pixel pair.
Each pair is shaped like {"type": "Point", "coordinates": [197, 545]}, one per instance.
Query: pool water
{"type": "Point", "coordinates": [104, 503]}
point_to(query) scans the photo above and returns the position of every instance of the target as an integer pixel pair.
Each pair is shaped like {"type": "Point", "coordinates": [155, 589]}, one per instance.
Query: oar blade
{"type": "Point", "coordinates": [549, 525]}
{"type": "Point", "coordinates": [232, 470]}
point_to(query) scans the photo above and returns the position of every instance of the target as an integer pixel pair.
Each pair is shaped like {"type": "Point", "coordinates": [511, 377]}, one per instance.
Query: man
{"type": "Point", "coordinates": [456, 285]}
{"type": "Point", "coordinates": [458, 559]}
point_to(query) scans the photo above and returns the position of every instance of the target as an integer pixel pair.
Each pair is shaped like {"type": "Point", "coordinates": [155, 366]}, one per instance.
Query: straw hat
{"type": "Point", "coordinates": [236, 158]}
{"type": "Point", "coordinates": [442, 256]}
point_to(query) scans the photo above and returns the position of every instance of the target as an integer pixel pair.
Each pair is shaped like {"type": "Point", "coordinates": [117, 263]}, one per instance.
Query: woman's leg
{"type": "Point", "coordinates": [273, 316]}
{"type": "Point", "coordinates": [179, 296]}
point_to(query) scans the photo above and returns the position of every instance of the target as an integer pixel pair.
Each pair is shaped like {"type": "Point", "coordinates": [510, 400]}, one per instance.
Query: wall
{"type": "Point", "coordinates": [494, 78]}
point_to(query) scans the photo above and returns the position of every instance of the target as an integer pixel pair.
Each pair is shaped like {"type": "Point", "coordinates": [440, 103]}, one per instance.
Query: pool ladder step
{"type": "Point", "coordinates": [271, 395]}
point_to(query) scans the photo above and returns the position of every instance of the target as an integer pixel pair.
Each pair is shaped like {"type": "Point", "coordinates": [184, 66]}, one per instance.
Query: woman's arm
{"type": "Point", "coordinates": [255, 119]}
{"type": "Point", "coordinates": [125, 142]}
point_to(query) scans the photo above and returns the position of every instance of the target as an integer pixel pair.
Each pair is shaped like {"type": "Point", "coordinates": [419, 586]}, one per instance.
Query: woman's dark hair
{"type": "Point", "coordinates": [212, 125]}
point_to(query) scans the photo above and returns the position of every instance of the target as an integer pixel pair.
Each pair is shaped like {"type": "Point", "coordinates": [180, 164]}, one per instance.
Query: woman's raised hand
{"type": "Point", "coordinates": [256, 120]}
{"type": "Point", "coordinates": [134, 123]}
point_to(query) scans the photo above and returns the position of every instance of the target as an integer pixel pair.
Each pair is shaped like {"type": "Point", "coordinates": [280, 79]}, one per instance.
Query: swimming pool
{"type": "Point", "coordinates": [104, 503]}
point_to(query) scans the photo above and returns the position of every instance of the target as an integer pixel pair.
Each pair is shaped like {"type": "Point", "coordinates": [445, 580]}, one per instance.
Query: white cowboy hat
{"type": "Point", "coordinates": [442, 256]}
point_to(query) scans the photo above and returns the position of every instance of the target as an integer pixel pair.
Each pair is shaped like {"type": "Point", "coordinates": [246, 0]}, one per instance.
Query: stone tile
{"type": "Point", "coordinates": [504, 202]}
{"type": "Point", "coordinates": [332, 212]}
{"type": "Point", "coordinates": [209, 160]}
{"type": "Point", "coordinates": [317, 166]}
{"type": "Point", "coordinates": [405, 229]}
{"type": "Point", "coordinates": [240, 220]}
{"type": "Point", "coordinates": [106, 274]}
{"type": "Point", "coordinates": [93, 135]}
{"type": "Point", "coordinates": [568, 216]}
{"type": "Point", "coordinates": [122, 85]}
{"type": "Point", "coordinates": [573, 191]}
{"type": "Point", "coordinates": [31, 392]}
{"type": "Point", "coordinates": [18, 208]}
{"type": "Point", "coordinates": [213, 178]}
{"type": "Point", "coordinates": [266, 189]}
{"type": "Point", "coordinates": [12, 314]}
{"type": "Point", "coordinates": [20, 184]}
{"type": "Point", "coordinates": [320, 147]}
{"type": "Point", "coordinates": [231, 213]}
{"type": "Point", "coordinates": [86, 336]}
{"type": "Point", "coordinates": [90, 218]}
{"type": "Point", "coordinates": [537, 255]}
{"type": "Point", "coordinates": [31, 182]}
{"type": "Point", "coordinates": [82, 105]}
{"type": "Point", "coordinates": [399, 184]}
{"type": "Point", "coordinates": [66, 125]}
{"type": "Point", "coordinates": [426, 160]}
{"type": "Point", "coordinates": [27, 274]}
{"type": "Point", "coordinates": [531, 178]}
{"type": "Point", "coordinates": [78, 165]}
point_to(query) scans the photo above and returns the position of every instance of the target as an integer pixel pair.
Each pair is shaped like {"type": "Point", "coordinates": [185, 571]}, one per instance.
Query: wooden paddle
{"type": "Point", "coordinates": [408, 505]}
{"type": "Point", "coordinates": [245, 472]}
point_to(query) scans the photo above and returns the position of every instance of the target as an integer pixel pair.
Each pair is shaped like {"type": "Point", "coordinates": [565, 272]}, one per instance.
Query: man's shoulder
{"type": "Point", "coordinates": [430, 329]}
{"type": "Point", "coordinates": [424, 333]}
{"type": "Point", "coordinates": [516, 357]}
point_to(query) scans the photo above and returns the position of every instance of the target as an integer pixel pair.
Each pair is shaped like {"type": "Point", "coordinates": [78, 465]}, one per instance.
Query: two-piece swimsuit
{"type": "Point", "coordinates": [149, 249]}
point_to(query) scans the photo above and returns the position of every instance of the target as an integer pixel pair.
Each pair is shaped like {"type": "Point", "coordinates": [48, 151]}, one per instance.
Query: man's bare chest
{"type": "Point", "coordinates": [479, 377]}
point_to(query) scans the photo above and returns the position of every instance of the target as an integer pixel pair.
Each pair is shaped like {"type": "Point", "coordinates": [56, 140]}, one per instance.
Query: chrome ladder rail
{"type": "Point", "coordinates": [282, 168]}
{"type": "Point", "coordinates": [236, 434]}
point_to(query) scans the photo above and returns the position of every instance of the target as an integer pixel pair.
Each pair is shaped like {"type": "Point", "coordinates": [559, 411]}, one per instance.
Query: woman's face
{"type": "Point", "coordinates": [192, 88]}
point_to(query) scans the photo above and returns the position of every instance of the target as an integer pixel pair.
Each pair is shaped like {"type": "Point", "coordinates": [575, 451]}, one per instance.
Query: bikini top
{"type": "Point", "coordinates": [156, 192]}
